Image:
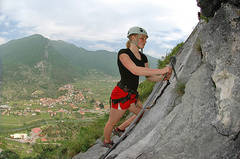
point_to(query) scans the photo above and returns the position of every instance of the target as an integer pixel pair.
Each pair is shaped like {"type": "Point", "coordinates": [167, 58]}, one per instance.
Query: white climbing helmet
{"type": "Point", "coordinates": [136, 30]}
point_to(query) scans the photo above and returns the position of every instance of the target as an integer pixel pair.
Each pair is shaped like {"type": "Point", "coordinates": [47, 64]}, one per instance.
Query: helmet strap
{"type": "Point", "coordinates": [136, 43]}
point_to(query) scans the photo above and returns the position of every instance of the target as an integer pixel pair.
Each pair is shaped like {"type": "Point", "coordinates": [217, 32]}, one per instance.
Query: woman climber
{"type": "Point", "coordinates": [131, 63]}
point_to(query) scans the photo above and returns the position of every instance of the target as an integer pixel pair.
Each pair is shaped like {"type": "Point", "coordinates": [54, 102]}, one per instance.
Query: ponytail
{"type": "Point", "coordinates": [128, 44]}
{"type": "Point", "coordinates": [129, 40]}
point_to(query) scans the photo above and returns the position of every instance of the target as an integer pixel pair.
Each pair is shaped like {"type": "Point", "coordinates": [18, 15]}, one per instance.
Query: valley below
{"type": "Point", "coordinates": [54, 97]}
{"type": "Point", "coordinates": [57, 120]}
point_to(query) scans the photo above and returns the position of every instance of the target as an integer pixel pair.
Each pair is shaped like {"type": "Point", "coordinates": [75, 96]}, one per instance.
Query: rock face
{"type": "Point", "coordinates": [209, 7]}
{"type": "Point", "coordinates": [204, 123]}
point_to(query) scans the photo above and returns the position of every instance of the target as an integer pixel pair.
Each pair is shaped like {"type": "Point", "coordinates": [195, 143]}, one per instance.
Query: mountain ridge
{"type": "Point", "coordinates": [36, 62]}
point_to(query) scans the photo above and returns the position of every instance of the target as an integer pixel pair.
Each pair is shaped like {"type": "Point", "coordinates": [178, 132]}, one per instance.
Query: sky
{"type": "Point", "coordinates": [100, 24]}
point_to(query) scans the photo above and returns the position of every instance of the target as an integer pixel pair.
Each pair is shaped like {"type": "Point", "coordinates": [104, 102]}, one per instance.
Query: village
{"type": "Point", "coordinates": [65, 105]}
{"type": "Point", "coordinates": [25, 138]}
{"type": "Point", "coordinates": [70, 100]}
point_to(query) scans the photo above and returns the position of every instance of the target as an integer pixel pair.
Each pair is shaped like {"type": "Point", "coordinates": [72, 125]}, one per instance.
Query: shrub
{"type": "Point", "coordinates": [204, 18]}
{"type": "Point", "coordinates": [7, 154]}
{"type": "Point", "coordinates": [180, 88]}
{"type": "Point", "coordinates": [86, 137]}
{"type": "Point", "coordinates": [174, 51]}
{"type": "Point", "coordinates": [145, 88]}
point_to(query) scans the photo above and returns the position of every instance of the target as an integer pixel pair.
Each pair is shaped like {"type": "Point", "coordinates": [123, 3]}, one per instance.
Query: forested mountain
{"type": "Point", "coordinates": [38, 63]}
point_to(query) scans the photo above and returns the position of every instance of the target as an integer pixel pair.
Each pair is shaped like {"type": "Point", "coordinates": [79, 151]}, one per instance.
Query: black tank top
{"type": "Point", "coordinates": [127, 78]}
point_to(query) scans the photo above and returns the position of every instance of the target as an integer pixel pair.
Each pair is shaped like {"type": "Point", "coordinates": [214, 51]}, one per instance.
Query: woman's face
{"type": "Point", "coordinates": [140, 39]}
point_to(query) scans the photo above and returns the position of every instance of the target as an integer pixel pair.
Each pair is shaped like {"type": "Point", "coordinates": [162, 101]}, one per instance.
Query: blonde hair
{"type": "Point", "coordinates": [128, 44]}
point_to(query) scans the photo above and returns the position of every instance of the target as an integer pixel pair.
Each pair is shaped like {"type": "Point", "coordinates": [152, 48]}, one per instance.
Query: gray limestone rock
{"type": "Point", "coordinates": [224, 56]}
{"type": "Point", "coordinates": [204, 123]}
{"type": "Point", "coordinates": [209, 7]}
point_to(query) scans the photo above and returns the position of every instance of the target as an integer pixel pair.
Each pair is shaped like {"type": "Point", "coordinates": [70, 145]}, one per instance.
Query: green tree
{"type": "Point", "coordinates": [7, 154]}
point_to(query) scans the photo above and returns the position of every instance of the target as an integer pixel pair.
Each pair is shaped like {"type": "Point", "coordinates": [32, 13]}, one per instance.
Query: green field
{"type": "Point", "coordinates": [95, 87]}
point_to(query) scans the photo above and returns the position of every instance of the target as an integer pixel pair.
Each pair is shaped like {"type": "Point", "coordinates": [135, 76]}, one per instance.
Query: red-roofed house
{"type": "Point", "coordinates": [43, 139]}
{"type": "Point", "coordinates": [36, 130]}
{"type": "Point", "coordinates": [81, 112]}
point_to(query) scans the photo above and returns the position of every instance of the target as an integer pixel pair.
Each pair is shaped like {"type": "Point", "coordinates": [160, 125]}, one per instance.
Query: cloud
{"type": "Point", "coordinates": [100, 20]}
{"type": "Point", "coordinates": [153, 53]}
{"type": "Point", "coordinates": [2, 40]}
{"type": "Point", "coordinates": [2, 18]}
{"type": "Point", "coordinates": [101, 47]}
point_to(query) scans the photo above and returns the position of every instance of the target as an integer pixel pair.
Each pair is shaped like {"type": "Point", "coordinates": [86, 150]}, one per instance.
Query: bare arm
{"type": "Point", "coordinates": [154, 78]}
{"type": "Point", "coordinates": [140, 71]}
